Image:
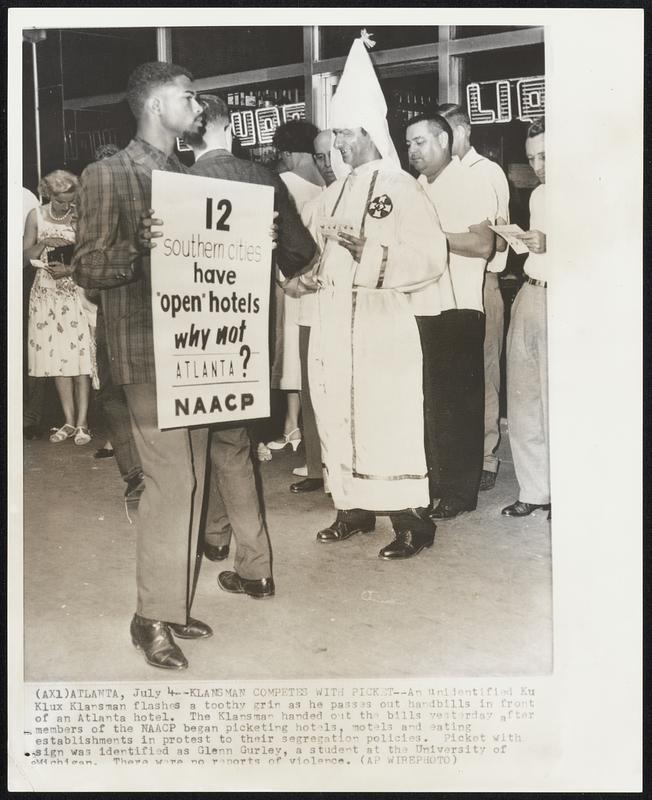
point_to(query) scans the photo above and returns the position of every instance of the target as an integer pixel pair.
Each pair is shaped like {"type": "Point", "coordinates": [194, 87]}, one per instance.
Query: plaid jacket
{"type": "Point", "coordinates": [295, 248]}
{"type": "Point", "coordinates": [114, 194]}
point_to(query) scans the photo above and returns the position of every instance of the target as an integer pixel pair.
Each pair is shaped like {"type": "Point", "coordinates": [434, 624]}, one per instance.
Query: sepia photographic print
{"type": "Point", "coordinates": [310, 342]}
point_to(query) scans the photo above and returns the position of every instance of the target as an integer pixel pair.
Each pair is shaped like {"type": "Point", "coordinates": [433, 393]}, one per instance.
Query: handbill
{"type": "Point", "coordinates": [210, 299]}
{"type": "Point", "coordinates": [510, 235]}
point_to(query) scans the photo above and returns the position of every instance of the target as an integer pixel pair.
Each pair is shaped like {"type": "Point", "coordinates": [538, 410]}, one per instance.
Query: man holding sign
{"type": "Point", "coordinates": [115, 194]}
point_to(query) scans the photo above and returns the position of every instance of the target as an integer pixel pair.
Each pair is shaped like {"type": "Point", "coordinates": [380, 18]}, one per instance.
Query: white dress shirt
{"type": "Point", "coordinates": [535, 263]}
{"type": "Point", "coordinates": [460, 198]}
{"type": "Point", "coordinates": [496, 179]}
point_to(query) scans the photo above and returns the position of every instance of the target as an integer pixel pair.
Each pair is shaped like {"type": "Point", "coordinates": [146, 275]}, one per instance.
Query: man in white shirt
{"type": "Point", "coordinates": [450, 315]}
{"type": "Point", "coordinates": [527, 352]}
{"type": "Point", "coordinates": [494, 309]}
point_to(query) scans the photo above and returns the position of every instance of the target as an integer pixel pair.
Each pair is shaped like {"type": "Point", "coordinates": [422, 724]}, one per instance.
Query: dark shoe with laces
{"type": "Point", "coordinates": [216, 552]}
{"type": "Point", "coordinates": [520, 509]}
{"type": "Point", "coordinates": [407, 544]}
{"type": "Point", "coordinates": [154, 638]}
{"type": "Point", "coordinates": [346, 524]}
{"type": "Point", "coordinates": [193, 629]}
{"type": "Point", "coordinates": [135, 486]}
{"type": "Point", "coordinates": [449, 508]}
{"type": "Point", "coordinates": [307, 485]}
{"type": "Point", "coordinates": [103, 452]}
{"type": "Point", "coordinates": [487, 480]}
{"type": "Point", "coordinates": [232, 582]}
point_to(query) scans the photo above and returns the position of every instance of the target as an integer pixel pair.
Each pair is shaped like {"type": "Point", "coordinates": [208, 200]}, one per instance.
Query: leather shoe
{"type": "Point", "coordinates": [216, 552]}
{"type": "Point", "coordinates": [232, 582]}
{"type": "Point", "coordinates": [309, 485]}
{"type": "Point", "coordinates": [193, 629]}
{"type": "Point", "coordinates": [135, 486]}
{"type": "Point", "coordinates": [32, 432]}
{"type": "Point", "coordinates": [406, 544]}
{"type": "Point", "coordinates": [346, 524]}
{"type": "Point", "coordinates": [487, 480]}
{"type": "Point", "coordinates": [103, 452]}
{"type": "Point", "coordinates": [519, 509]}
{"type": "Point", "coordinates": [447, 509]}
{"type": "Point", "coordinates": [154, 638]}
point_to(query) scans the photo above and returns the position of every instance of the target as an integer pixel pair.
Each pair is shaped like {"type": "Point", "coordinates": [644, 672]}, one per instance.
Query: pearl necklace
{"type": "Point", "coordinates": [58, 219]}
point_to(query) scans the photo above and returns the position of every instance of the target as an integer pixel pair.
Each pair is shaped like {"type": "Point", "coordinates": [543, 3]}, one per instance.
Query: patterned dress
{"type": "Point", "coordinates": [59, 335]}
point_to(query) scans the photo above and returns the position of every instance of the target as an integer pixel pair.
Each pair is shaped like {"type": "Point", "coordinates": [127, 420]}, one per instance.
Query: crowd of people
{"type": "Point", "coordinates": [387, 336]}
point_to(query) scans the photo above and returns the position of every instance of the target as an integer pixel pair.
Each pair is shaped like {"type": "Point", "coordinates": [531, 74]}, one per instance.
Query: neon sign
{"type": "Point", "coordinates": [257, 126]}
{"type": "Point", "coordinates": [493, 101]}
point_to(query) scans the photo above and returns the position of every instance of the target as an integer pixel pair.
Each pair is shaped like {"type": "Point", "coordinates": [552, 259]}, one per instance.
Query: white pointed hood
{"type": "Point", "coordinates": [359, 102]}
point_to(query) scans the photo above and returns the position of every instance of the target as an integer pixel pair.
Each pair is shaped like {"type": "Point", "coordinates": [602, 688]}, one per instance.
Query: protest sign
{"type": "Point", "coordinates": [210, 299]}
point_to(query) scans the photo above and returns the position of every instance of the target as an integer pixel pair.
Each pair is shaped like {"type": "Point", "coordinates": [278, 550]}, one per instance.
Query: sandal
{"type": "Point", "coordinates": [63, 433]}
{"type": "Point", "coordinates": [82, 436]}
{"type": "Point", "coordinates": [285, 439]}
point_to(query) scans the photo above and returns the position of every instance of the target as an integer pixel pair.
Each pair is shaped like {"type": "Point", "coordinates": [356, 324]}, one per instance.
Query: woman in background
{"type": "Point", "coordinates": [60, 341]}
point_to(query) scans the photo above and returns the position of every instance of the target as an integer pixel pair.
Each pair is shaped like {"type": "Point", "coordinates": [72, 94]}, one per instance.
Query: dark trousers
{"type": "Point", "coordinates": [233, 504]}
{"type": "Point", "coordinates": [169, 514]}
{"type": "Point", "coordinates": [453, 394]}
{"type": "Point", "coordinates": [116, 412]}
{"type": "Point", "coordinates": [309, 423]}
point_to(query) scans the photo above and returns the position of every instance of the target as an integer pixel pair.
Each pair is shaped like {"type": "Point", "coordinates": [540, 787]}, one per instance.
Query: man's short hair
{"type": "Point", "coordinates": [296, 136]}
{"type": "Point", "coordinates": [437, 125]}
{"type": "Point", "coordinates": [536, 128]}
{"type": "Point", "coordinates": [455, 115]}
{"type": "Point", "coordinates": [147, 77]}
{"type": "Point", "coordinates": [215, 109]}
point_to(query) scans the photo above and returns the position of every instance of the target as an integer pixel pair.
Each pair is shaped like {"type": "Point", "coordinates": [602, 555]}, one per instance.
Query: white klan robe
{"type": "Point", "coordinates": [365, 363]}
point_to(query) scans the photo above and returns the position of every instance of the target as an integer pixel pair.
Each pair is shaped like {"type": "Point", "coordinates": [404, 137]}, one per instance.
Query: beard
{"type": "Point", "coordinates": [195, 138]}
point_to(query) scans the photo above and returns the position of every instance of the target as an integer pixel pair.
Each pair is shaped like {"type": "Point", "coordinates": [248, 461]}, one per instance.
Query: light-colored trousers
{"type": "Point", "coordinates": [169, 512]}
{"type": "Point", "coordinates": [494, 310]}
{"type": "Point", "coordinates": [527, 393]}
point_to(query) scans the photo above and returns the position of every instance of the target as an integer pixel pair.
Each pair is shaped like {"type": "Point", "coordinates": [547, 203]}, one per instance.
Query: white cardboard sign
{"type": "Point", "coordinates": [211, 272]}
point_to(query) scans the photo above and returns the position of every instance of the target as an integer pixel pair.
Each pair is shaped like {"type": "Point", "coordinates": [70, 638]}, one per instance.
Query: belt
{"type": "Point", "coordinates": [543, 284]}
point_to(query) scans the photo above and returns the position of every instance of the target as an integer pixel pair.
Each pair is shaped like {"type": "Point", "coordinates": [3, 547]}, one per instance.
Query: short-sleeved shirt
{"type": "Point", "coordinates": [535, 263]}
{"type": "Point", "coordinates": [491, 172]}
{"type": "Point", "coordinates": [460, 199]}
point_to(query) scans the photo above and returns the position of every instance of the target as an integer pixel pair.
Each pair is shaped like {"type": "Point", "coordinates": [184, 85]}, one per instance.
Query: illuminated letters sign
{"type": "Point", "coordinates": [492, 101]}
{"type": "Point", "coordinates": [258, 127]}
{"type": "Point", "coordinates": [243, 127]}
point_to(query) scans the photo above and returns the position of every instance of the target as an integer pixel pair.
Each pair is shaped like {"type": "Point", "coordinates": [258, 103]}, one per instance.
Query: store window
{"type": "Point", "coordinates": [503, 91]}
{"type": "Point", "coordinates": [508, 91]}
{"type": "Point", "coordinates": [407, 96]}
{"type": "Point", "coordinates": [336, 41]}
{"type": "Point", "coordinates": [224, 50]}
{"type": "Point", "coordinates": [113, 52]}
{"type": "Point", "coordinates": [466, 31]}
{"type": "Point", "coordinates": [257, 110]}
